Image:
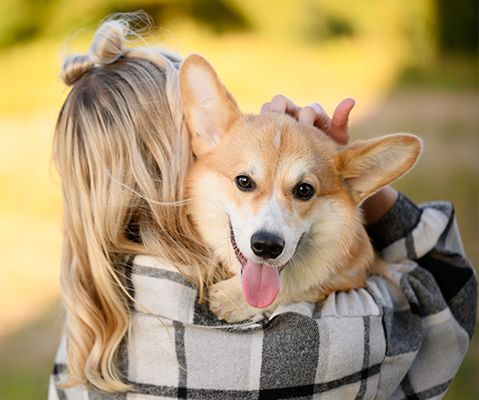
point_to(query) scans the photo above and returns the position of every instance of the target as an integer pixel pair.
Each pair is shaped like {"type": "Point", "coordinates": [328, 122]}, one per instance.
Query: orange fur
{"type": "Point", "coordinates": [326, 247]}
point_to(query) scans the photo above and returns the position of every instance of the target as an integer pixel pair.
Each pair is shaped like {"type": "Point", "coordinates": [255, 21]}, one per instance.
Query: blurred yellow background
{"type": "Point", "coordinates": [410, 65]}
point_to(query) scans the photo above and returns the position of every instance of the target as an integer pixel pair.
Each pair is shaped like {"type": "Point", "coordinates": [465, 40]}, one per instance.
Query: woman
{"type": "Point", "coordinates": [135, 274]}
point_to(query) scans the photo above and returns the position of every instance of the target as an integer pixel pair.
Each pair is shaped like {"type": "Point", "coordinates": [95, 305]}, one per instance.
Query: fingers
{"type": "Point", "coordinates": [339, 130]}
{"type": "Point", "coordinates": [314, 114]}
{"type": "Point", "coordinates": [281, 104]}
{"type": "Point", "coordinates": [265, 108]}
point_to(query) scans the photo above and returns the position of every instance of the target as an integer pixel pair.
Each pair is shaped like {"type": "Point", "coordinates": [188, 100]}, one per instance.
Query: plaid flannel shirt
{"type": "Point", "coordinates": [402, 338]}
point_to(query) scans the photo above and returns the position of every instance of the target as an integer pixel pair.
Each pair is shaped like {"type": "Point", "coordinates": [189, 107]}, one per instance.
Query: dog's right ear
{"type": "Point", "coordinates": [209, 108]}
{"type": "Point", "coordinates": [366, 166]}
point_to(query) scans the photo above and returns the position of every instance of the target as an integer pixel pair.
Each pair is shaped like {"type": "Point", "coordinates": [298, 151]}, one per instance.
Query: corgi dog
{"type": "Point", "coordinates": [278, 201]}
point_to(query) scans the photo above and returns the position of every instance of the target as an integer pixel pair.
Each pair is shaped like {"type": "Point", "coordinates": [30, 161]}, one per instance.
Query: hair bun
{"type": "Point", "coordinates": [107, 47]}
{"type": "Point", "coordinates": [74, 67]}
{"type": "Point", "coordinates": [109, 43]}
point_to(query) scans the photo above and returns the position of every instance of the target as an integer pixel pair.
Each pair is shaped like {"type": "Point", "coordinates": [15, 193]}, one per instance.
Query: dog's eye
{"type": "Point", "coordinates": [244, 182]}
{"type": "Point", "coordinates": [303, 191]}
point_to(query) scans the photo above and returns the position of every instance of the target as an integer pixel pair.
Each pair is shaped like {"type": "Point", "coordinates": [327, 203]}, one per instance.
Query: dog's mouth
{"type": "Point", "coordinates": [260, 281]}
{"type": "Point", "coordinates": [239, 255]}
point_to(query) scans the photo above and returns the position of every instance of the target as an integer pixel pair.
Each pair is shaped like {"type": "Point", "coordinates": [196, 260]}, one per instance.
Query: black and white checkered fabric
{"type": "Point", "coordinates": [402, 338]}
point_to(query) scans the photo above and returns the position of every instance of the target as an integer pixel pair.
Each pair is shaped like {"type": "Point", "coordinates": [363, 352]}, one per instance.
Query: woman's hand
{"type": "Point", "coordinates": [314, 114]}
{"type": "Point", "coordinates": [374, 207]}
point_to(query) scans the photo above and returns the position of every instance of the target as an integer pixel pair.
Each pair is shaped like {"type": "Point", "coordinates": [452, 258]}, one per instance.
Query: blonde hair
{"type": "Point", "coordinates": [122, 151]}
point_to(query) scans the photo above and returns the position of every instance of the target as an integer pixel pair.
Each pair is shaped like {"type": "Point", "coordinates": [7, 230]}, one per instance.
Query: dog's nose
{"type": "Point", "coordinates": [267, 245]}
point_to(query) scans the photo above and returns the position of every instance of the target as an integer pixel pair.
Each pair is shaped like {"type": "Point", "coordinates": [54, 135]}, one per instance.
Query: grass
{"type": "Point", "coordinates": [27, 356]}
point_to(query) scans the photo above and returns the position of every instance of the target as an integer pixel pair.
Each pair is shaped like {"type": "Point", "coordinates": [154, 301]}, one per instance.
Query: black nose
{"type": "Point", "coordinates": [267, 245]}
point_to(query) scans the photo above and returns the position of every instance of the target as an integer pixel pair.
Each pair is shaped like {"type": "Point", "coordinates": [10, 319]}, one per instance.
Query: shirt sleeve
{"type": "Point", "coordinates": [430, 302]}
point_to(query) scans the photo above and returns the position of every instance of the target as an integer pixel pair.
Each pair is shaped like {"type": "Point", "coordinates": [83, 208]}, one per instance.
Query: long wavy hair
{"type": "Point", "coordinates": [122, 151]}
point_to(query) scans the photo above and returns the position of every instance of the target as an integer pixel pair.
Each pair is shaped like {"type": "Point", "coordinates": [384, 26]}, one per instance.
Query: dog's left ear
{"type": "Point", "coordinates": [209, 108]}
{"type": "Point", "coordinates": [366, 166]}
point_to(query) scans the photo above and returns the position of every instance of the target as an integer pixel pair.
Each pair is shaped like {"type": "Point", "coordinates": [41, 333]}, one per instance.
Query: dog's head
{"type": "Point", "coordinates": [273, 196]}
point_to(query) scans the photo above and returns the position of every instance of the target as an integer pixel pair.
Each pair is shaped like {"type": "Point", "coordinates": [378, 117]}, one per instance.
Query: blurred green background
{"type": "Point", "coordinates": [410, 65]}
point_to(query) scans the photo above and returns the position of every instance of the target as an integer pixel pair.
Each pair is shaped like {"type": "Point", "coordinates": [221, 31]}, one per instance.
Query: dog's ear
{"type": "Point", "coordinates": [209, 108]}
{"type": "Point", "coordinates": [366, 166]}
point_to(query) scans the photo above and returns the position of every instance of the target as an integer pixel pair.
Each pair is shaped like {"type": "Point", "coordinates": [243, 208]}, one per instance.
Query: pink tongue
{"type": "Point", "coordinates": [260, 284]}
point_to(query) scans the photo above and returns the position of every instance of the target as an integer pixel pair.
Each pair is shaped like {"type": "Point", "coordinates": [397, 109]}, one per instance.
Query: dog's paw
{"type": "Point", "coordinates": [227, 301]}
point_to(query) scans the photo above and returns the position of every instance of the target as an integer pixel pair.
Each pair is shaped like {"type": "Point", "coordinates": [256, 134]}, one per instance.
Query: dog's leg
{"type": "Point", "coordinates": [227, 301]}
